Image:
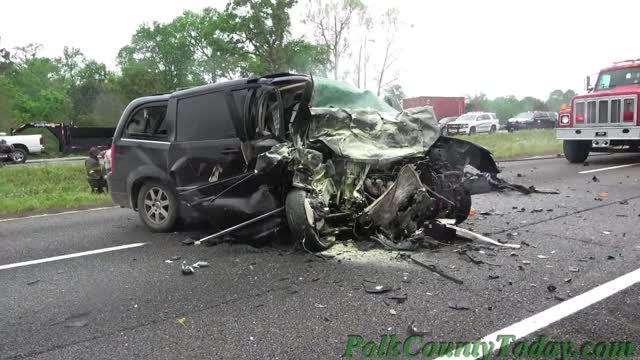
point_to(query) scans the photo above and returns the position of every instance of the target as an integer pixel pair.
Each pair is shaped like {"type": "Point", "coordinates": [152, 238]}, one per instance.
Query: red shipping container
{"type": "Point", "coordinates": [443, 106]}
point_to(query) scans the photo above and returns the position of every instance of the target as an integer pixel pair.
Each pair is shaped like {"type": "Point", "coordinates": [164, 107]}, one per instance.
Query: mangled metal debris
{"type": "Point", "coordinates": [475, 236]}
{"type": "Point", "coordinates": [186, 269]}
{"type": "Point", "coordinates": [354, 166]}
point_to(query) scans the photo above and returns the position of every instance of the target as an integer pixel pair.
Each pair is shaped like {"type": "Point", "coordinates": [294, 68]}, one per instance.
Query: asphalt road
{"type": "Point", "coordinates": [269, 303]}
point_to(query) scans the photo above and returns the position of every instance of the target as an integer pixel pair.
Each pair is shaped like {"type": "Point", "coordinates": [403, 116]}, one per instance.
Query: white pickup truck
{"type": "Point", "coordinates": [24, 145]}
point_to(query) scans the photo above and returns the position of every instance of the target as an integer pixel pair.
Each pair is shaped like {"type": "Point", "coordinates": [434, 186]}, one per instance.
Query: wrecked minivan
{"type": "Point", "coordinates": [257, 156]}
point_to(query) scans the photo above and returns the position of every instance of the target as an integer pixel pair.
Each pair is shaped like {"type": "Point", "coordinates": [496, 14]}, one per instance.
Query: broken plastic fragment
{"type": "Point", "coordinates": [458, 306]}
{"type": "Point", "coordinates": [378, 289]}
{"type": "Point", "coordinates": [393, 312]}
{"type": "Point", "coordinates": [542, 257]}
{"type": "Point", "coordinates": [574, 269]}
{"type": "Point", "coordinates": [603, 194]}
{"type": "Point", "coordinates": [412, 330]}
{"type": "Point", "coordinates": [320, 306]}
{"type": "Point", "coordinates": [399, 298]}
{"type": "Point", "coordinates": [182, 321]}
{"type": "Point", "coordinates": [474, 236]}
{"type": "Point", "coordinates": [200, 264]}
{"type": "Point", "coordinates": [186, 269]}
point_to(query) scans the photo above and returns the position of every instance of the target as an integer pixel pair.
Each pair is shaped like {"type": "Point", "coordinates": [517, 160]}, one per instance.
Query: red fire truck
{"type": "Point", "coordinates": [606, 117]}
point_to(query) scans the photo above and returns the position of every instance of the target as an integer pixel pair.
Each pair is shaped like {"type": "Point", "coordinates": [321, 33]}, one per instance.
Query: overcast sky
{"type": "Point", "coordinates": [449, 48]}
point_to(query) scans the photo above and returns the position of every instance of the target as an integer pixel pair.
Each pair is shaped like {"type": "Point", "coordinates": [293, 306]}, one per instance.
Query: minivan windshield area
{"type": "Point", "coordinates": [613, 78]}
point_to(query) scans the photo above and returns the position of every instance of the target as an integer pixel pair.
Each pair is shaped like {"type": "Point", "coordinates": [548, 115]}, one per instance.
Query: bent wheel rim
{"type": "Point", "coordinates": [156, 205]}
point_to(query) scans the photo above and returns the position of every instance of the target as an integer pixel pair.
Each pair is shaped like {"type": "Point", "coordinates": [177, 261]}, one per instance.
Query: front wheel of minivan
{"type": "Point", "coordinates": [157, 206]}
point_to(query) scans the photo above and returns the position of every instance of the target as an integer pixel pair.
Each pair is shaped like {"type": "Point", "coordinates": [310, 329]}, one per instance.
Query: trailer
{"type": "Point", "coordinates": [73, 138]}
{"type": "Point", "coordinates": [443, 106]}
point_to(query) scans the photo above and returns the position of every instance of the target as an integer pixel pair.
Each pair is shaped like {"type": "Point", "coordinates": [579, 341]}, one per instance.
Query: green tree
{"type": "Point", "coordinates": [478, 102]}
{"type": "Point", "coordinates": [161, 56]}
{"type": "Point", "coordinates": [262, 28]}
{"type": "Point", "coordinates": [506, 107]}
{"type": "Point", "coordinates": [35, 94]}
{"type": "Point", "coordinates": [5, 60]}
{"type": "Point", "coordinates": [393, 95]}
{"type": "Point", "coordinates": [331, 20]}
{"type": "Point", "coordinates": [209, 34]}
{"type": "Point", "coordinates": [531, 103]}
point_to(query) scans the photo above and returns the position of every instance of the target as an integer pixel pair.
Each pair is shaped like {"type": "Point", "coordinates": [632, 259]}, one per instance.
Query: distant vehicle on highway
{"type": "Point", "coordinates": [474, 122]}
{"type": "Point", "coordinates": [24, 145]}
{"type": "Point", "coordinates": [532, 120]}
{"type": "Point", "coordinates": [444, 122]}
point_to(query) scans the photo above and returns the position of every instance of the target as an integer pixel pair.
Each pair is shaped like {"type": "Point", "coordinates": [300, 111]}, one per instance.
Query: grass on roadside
{"type": "Point", "coordinates": [519, 143]}
{"type": "Point", "coordinates": [45, 186]}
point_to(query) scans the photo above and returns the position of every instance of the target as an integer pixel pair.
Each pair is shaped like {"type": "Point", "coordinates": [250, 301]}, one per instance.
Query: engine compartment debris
{"type": "Point", "coordinates": [357, 167]}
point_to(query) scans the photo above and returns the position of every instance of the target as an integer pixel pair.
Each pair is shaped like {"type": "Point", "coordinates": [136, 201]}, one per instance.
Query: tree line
{"type": "Point", "coordinates": [345, 40]}
{"type": "Point", "coordinates": [245, 38]}
{"type": "Point", "coordinates": [507, 107]}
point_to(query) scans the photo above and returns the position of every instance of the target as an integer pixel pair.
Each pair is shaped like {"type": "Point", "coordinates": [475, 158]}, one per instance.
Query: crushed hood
{"type": "Point", "coordinates": [374, 137]}
{"type": "Point", "coordinates": [358, 125]}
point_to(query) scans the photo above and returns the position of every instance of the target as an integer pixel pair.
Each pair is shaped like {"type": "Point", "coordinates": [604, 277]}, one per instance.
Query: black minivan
{"type": "Point", "coordinates": [171, 151]}
{"type": "Point", "coordinates": [254, 157]}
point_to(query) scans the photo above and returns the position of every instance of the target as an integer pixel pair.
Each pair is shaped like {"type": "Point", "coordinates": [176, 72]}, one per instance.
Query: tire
{"type": "Point", "coordinates": [301, 229]}
{"type": "Point", "coordinates": [463, 200]}
{"type": "Point", "coordinates": [472, 130]}
{"type": "Point", "coordinates": [492, 130]}
{"type": "Point", "coordinates": [576, 151]}
{"type": "Point", "coordinates": [19, 156]}
{"type": "Point", "coordinates": [157, 206]}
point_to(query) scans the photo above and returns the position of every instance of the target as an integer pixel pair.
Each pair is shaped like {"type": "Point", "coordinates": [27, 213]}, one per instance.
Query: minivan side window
{"type": "Point", "coordinates": [204, 117]}
{"type": "Point", "coordinates": [148, 122]}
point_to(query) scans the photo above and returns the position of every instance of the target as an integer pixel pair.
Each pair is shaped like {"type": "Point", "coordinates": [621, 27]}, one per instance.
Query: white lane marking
{"type": "Point", "coordinates": [69, 256]}
{"type": "Point", "coordinates": [608, 168]}
{"type": "Point", "coordinates": [55, 214]}
{"type": "Point", "coordinates": [559, 312]}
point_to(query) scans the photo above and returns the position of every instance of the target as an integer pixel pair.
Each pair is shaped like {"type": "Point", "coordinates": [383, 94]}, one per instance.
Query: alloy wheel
{"type": "Point", "coordinates": [156, 205]}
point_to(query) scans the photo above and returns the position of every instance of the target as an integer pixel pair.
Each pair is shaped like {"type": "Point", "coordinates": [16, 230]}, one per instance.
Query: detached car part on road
{"type": "Point", "coordinates": [258, 155]}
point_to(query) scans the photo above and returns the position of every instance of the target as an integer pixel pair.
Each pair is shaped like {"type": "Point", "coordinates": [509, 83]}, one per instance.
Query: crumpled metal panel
{"type": "Point", "coordinates": [385, 209]}
{"type": "Point", "coordinates": [374, 137]}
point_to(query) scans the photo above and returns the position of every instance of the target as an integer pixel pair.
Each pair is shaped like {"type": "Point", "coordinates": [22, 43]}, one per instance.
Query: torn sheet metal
{"type": "Point", "coordinates": [475, 236]}
{"type": "Point", "coordinates": [354, 162]}
{"type": "Point", "coordinates": [486, 182]}
{"type": "Point", "coordinates": [374, 137]}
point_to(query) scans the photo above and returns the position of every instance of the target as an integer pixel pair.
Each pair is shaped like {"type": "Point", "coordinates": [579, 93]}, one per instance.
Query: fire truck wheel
{"type": "Point", "coordinates": [576, 151]}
